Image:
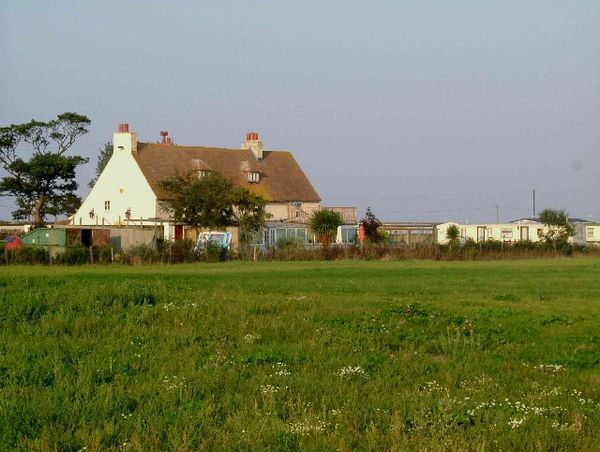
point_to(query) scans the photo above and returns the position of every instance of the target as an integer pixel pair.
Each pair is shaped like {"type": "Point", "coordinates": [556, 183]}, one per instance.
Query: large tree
{"type": "Point", "coordinates": [214, 202]}
{"type": "Point", "coordinates": [558, 229]}
{"type": "Point", "coordinates": [40, 176]}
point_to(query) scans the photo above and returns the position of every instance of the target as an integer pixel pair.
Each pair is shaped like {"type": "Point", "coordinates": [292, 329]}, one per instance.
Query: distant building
{"type": "Point", "coordinates": [503, 232]}
{"type": "Point", "coordinates": [128, 190]}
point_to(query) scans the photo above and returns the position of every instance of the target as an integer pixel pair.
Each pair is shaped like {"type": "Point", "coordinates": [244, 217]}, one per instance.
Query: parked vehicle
{"type": "Point", "coordinates": [11, 242]}
{"type": "Point", "coordinates": [221, 239]}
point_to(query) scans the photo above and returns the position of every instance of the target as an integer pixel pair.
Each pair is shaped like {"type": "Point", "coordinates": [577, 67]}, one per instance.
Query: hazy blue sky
{"type": "Point", "coordinates": [421, 110]}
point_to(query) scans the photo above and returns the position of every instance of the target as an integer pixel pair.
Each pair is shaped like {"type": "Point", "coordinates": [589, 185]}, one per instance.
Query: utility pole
{"type": "Point", "coordinates": [497, 214]}
{"type": "Point", "coordinates": [533, 218]}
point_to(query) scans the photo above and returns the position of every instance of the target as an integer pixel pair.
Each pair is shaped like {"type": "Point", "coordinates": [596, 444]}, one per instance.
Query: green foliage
{"type": "Point", "coordinates": [453, 235]}
{"type": "Point", "coordinates": [103, 158]}
{"type": "Point", "coordinates": [558, 229]}
{"type": "Point", "coordinates": [26, 255]}
{"type": "Point", "coordinates": [73, 255]}
{"type": "Point", "coordinates": [290, 244]}
{"type": "Point", "coordinates": [214, 202]}
{"type": "Point", "coordinates": [301, 356]}
{"type": "Point", "coordinates": [324, 223]}
{"type": "Point", "coordinates": [45, 183]}
{"type": "Point", "coordinates": [371, 225]}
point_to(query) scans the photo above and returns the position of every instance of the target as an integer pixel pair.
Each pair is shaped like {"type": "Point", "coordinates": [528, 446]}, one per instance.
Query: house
{"type": "Point", "coordinates": [587, 233]}
{"type": "Point", "coordinates": [128, 190]}
{"type": "Point", "coordinates": [504, 232]}
{"type": "Point", "coordinates": [409, 233]}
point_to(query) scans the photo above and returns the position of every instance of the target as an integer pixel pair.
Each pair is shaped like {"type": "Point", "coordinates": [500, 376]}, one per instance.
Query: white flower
{"type": "Point", "coordinates": [349, 371]}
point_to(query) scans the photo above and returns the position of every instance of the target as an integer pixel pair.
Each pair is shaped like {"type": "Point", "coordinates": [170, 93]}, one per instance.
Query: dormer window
{"type": "Point", "coordinates": [253, 177]}
{"type": "Point", "coordinates": [203, 173]}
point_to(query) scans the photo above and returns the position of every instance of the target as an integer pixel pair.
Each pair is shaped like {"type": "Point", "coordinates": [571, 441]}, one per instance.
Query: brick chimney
{"type": "Point", "coordinates": [124, 140]}
{"type": "Point", "coordinates": [254, 144]}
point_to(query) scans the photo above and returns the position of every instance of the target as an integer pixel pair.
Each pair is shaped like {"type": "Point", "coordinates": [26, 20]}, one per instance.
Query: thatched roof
{"type": "Point", "coordinates": [281, 178]}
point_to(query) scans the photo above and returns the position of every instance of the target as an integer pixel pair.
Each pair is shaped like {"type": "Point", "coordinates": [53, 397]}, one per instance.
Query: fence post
{"type": "Point", "coordinates": [112, 255]}
{"type": "Point", "coordinates": [91, 255]}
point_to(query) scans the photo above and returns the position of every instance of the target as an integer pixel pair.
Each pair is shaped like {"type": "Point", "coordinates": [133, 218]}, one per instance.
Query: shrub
{"type": "Point", "coordinates": [76, 255]}
{"type": "Point", "coordinates": [28, 255]}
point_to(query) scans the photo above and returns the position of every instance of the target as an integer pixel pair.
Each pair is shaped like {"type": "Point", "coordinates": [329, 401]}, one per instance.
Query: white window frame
{"type": "Point", "coordinates": [253, 177]}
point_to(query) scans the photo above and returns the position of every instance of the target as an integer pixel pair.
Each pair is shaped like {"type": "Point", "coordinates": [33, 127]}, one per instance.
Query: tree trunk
{"type": "Point", "coordinates": [36, 214]}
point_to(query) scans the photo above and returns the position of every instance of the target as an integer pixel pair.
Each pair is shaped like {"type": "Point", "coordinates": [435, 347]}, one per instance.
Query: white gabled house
{"type": "Point", "coordinates": [128, 190]}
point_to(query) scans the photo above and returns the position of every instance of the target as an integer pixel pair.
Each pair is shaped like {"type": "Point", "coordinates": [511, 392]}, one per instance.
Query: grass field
{"type": "Point", "coordinates": [320, 355]}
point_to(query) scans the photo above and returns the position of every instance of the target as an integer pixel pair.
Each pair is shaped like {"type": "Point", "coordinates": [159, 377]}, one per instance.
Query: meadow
{"type": "Point", "coordinates": [344, 355]}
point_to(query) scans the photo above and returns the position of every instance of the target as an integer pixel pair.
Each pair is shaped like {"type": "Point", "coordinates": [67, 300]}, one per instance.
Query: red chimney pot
{"type": "Point", "coordinates": [123, 128]}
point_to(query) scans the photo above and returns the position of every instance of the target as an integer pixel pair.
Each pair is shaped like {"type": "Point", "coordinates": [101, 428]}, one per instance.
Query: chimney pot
{"type": "Point", "coordinates": [123, 128]}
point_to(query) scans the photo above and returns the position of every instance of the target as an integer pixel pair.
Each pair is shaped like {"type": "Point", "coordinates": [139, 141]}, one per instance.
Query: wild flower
{"type": "Point", "coordinates": [173, 383]}
{"type": "Point", "coordinates": [280, 370]}
{"type": "Point", "coordinates": [251, 338]}
{"type": "Point", "coordinates": [306, 427]}
{"type": "Point", "coordinates": [432, 386]}
{"type": "Point", "coordinates": [551, 368]}
{"type": "Point", "coordinates": [269, 389]}
{"type": "Point", "coordinates": [516, 422]}
{"type": "Point", "coordinates": [349, 371]}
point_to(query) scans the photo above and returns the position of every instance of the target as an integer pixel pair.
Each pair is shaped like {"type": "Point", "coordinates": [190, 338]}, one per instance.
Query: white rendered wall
{"type": "Point", "coordinates": [123, 184]}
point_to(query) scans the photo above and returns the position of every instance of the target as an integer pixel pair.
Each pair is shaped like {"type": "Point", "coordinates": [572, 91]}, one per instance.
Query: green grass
{"type": "Point", "coordinates": [319, 355]}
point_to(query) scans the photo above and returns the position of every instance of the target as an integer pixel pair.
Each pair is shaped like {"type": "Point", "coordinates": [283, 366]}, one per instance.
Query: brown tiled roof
{"type": "Point", "coordinates": [281, 178]}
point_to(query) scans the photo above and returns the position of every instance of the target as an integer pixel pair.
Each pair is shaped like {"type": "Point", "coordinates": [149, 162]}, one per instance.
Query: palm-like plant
{"type": "Point", "coordinates": [324, 223]}
{"type": "Point", "coordinates": [453, 235]}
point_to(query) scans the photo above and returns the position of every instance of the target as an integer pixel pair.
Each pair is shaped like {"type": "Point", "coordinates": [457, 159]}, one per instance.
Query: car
{"type": "Point", "coordinates": [11, 242]}
{"type": "Point", "coordinates": [220, 239]}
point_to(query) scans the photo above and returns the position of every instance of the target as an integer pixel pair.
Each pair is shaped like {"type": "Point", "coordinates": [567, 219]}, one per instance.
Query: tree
{"type": "Point", "coordinates": [214, 202]}
{"type": "Point", "coordinates": [324, 223]}
{"type": "Point", "coordinates": [103, 158]}
{"type": "Point", "coordinates": [45, 184]}
{"type": "Point", "coordinates": [371, 225]}
{"type": "Point", "coordinates": [558, 229]}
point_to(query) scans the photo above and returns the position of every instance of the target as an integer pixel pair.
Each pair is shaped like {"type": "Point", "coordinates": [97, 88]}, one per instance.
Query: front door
{"type": "Point", "coordinates": [524, 232]}
{"type": "Point", "coordinates": [178, 232]}
{"type": "Point", "coordinates": [481, 234]}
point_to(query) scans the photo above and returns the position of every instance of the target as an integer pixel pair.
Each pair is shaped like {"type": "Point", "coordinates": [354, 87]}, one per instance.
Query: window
{"type": "Point", "coordinates": [106, 205]}
{"type": "Point", "coordinates": [506, 233]}
{"type": "Point", "coordinates": [253, 177]}
{"type": "Point", "coordinates": [590, 233]}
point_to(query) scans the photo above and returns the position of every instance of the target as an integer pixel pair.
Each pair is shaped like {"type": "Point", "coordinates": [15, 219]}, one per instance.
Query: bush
{"type": "Point", "coordinates": [179, 252]}
{"type": "Point", "coordinates": [213, 252]}
{"type": "Point", "coordinates": [28, 255]}
{"type": "Point", "coordinates": [76, 255]}
{"type": "Point", "coordinates": [139, 254]}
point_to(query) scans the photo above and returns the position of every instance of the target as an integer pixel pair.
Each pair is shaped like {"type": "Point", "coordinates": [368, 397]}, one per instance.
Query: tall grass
{"type": "Point", "coordinates": [346, 355]}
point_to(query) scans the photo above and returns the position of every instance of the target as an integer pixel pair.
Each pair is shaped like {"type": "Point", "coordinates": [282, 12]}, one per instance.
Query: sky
{"type": "Point", "coordinates": [422, 110]}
